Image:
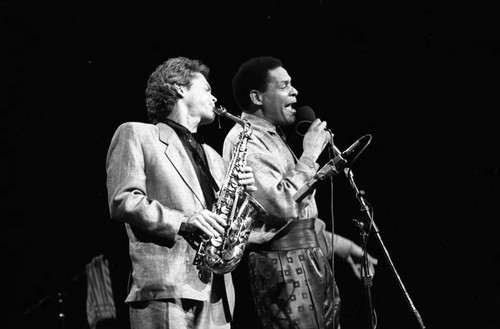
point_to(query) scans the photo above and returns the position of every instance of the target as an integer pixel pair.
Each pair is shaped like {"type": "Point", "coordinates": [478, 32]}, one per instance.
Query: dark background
{"type": "Point", "coordinates": [420, 76]}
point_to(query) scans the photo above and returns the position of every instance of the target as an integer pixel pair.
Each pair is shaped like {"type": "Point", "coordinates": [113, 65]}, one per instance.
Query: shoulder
{"type": "Point", "coordinates": [234, 132]}
{"type": "Point", "coordinates": [135, 127]}
{"type": "Point", "coordinates": [230, 141]}
{"type": "Point", "coordinates": [139, 129]}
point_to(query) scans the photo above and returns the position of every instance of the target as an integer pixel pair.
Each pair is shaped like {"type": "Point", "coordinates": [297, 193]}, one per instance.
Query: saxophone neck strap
{"type": "Point", "coordinates": [187, 138]}
{"type": "Point", "coordinates": [204, 168]}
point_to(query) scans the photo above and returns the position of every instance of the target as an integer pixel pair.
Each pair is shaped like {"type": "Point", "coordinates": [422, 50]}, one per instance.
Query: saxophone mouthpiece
{"type": "Point", "coordinates": [222, 112]}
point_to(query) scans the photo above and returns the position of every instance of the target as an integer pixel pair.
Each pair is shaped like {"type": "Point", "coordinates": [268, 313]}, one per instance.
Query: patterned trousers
{"type": "Point", "coordinates": [294, 289]}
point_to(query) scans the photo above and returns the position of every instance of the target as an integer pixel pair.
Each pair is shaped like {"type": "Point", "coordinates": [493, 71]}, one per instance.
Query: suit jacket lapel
{"type": "Point", "coordinates": [177, 155]}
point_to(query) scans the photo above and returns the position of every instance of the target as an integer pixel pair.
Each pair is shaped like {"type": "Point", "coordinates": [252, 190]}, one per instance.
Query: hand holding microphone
{"type": "Point", "coordinates": [308, 124]}
{"type": "Point", "coordinates": [315, 140]}
{"type": "Point", "coordinates": [306, 119]}
{"type": "Point", "coordinates": [316, 135]}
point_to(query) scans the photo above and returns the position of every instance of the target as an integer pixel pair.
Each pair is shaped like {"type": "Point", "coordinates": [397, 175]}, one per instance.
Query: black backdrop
{"type": "Point", "coordinates": [420, 76]}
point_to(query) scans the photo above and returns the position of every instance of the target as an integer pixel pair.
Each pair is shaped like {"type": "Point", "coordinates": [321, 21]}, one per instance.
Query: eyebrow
{"type": "Point", "coordinates": [285, 82]}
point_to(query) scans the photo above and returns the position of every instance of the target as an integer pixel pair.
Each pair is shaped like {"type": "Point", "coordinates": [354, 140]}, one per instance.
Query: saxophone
{"type": "Point", "coordinates": [222, 255]}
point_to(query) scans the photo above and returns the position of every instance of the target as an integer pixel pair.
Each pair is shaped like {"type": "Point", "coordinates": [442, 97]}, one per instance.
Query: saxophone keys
{"type": "Point", "coordinates": [216, 241]}
{"type": "Point", "coordinates": [234, 226]}
{"type": "Point", "coordinates": [232, 253]}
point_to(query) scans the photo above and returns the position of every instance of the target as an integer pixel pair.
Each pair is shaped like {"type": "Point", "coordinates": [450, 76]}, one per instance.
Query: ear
{"type": "Point", "coordinates": [256, 97]}
{"type": "Point", "coordinates": [180, 89]}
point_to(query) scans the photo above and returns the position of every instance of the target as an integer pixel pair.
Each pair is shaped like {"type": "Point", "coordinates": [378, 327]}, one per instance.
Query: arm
{"type": "Point", "coordinates": [345, 249]}
{"type": "Point", "coordinates": [128, 197]}
{"type": "Point", "coordinates": [277, 184]}
{"type": "Point", "coordinates": [160, 206]}
{"type": "Point", "coordinates": [281, 180]}
{"type": "Point", "coordinates": [277, 178]}
{"type": "Point", "coordinates": [353, 255]}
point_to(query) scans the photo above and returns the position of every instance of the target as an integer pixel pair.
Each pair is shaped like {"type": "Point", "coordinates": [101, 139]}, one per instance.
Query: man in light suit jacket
{"type": "Point", "coordinates": [162, 181]}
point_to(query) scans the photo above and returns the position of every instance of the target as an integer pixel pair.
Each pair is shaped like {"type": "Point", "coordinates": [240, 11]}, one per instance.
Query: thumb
{"type": "Point", "coordinates": [373, 259]}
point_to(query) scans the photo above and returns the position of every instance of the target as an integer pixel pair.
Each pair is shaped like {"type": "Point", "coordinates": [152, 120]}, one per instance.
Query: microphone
{"type": "Point", "coordinates": [304, 117]}
{"type": "Point", "coordinates": [333, 167]}
{"type": "Point", "coordinates": [355, 149]}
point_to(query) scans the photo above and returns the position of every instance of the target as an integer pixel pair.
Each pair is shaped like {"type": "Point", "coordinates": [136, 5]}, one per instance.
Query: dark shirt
{"type": "Point", "coordinates": [193, 144]}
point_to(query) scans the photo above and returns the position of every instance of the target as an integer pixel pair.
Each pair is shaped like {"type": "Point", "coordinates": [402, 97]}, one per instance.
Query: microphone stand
{"type": "Point", "coordinates": [365, 274]}
{"type": "Point", "coordinates": [61, 300]}
{"type": "Point", "coordinates": [367, 279]}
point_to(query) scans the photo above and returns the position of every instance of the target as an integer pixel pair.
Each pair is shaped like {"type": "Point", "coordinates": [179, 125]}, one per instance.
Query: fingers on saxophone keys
{"type": "Point", "coordinates": [206, 223]}
{"type": "Point", "coordinates": [245, 176]}
{"type": "Point", "coordinates": [251, 188]}
{"type": "Point", "coordinates": [207, 230]}
{"type": "Point", "coordinates": [222, 220]}
{"type": "Point", "coordinates": [216, 223]}
{"type": "Point", "coordinates": [247, 179]}
{"type": "Point", "coordinates": [246, 169]}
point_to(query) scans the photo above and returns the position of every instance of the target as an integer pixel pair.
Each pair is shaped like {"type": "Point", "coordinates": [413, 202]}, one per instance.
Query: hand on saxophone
{"type": "Point", "coordinates": [247, 179]}
{"type": "Point", "coordinates": [207, 222]}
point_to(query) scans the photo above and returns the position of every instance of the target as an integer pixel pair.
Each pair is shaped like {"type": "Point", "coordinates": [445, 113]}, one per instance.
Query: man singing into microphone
{"type": "Point", "coordinates": [291, 279]}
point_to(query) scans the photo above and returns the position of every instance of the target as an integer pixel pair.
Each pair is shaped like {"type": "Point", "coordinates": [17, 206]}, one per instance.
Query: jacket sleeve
{"type": "Point", "coordinates": [275, 186]}
{"type": "Point", "coordinates": [127, 191]}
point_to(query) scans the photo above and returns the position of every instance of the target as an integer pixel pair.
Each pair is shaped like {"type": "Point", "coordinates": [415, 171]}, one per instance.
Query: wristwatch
{"type": "Point", "coordinates": [182, 228]}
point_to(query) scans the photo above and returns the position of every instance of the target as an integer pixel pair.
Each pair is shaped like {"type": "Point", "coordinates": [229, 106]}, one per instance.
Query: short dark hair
{"type": "Point", "coordinates": [161, 94]}
{"type": "Point", "coordinates": [253, 74]}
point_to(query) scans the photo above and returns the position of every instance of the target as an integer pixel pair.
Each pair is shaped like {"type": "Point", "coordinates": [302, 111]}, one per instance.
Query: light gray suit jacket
{"type": "Point", "coordinates": [152, 186]}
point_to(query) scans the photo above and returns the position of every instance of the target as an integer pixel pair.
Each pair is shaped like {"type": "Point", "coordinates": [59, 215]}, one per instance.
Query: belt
{"type": "Point", "coordinates": [299, 234]}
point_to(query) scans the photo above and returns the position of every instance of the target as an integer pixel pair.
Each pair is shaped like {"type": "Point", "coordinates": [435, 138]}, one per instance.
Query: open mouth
{"type": "Point", "coordinates": [290, 108]}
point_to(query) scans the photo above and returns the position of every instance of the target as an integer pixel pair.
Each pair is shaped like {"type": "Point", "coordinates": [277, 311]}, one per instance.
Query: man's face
{"type": "Point", "coordinates": [278, 98]}
{"type": "Point", "coordinates": [200, 100]}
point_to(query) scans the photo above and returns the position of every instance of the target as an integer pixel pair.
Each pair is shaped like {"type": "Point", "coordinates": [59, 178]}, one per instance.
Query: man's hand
{"type": "Point", "coordinates": [207, 222]}
{"type": "Point", "coordinates": [355, 259]}
{"type": "Point", "coordinates": [315, 139]}
{"type": "Point", "coordinates": [247, 179]}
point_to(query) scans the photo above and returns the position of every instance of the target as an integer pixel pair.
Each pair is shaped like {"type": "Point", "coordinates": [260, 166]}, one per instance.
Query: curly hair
{"type": "Point", "coordinates": [161, 92]}
{"type": "Point", "coordinates": [252, 75]}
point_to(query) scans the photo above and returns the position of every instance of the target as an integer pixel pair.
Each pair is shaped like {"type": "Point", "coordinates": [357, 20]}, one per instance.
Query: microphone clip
{"type": "Point", "coordinates": [331, 168]}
